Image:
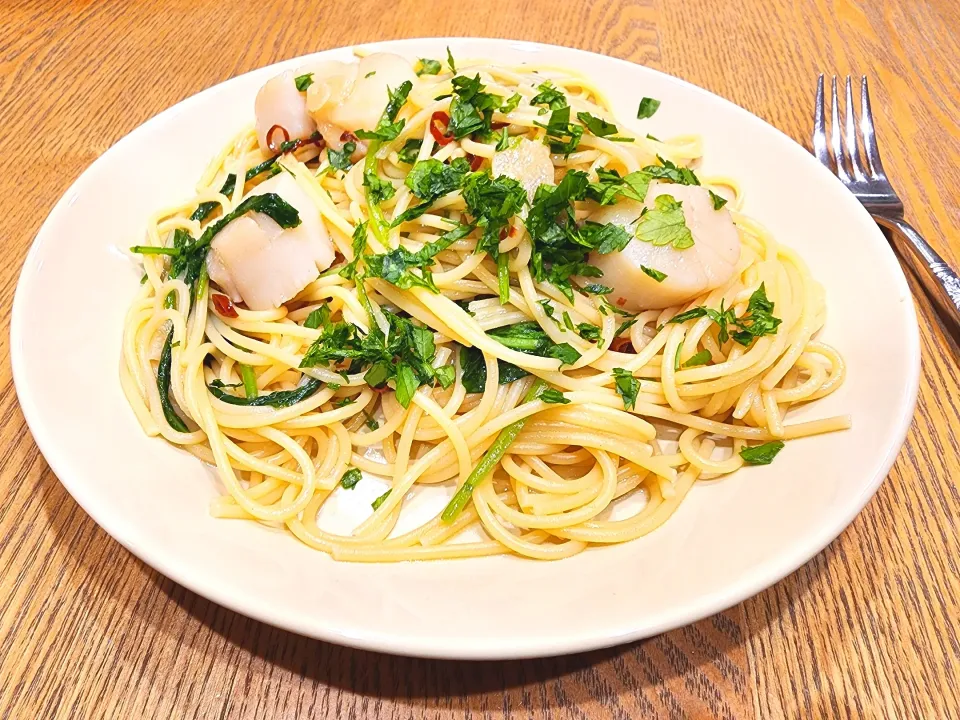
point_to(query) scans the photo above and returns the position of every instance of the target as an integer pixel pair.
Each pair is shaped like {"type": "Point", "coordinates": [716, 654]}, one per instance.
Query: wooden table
{"type": "Point", "coordinates": [869, 628]}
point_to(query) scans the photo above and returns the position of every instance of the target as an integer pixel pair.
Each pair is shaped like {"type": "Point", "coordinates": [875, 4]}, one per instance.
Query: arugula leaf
{"type": "Point", "coordinates": [627, 386]}
{"type": "Point", "coordinates": [409, 152]}
{"type": "Point", "coordinates": [474, 369]}
{"type": "Point", "coordinates": [655, 274]}
{"type": "Point", "coordinates": [549, 96]}
{"type": "Point", "coordinates": [380, 190]}
{"type": "Point", "coordinates": [388, 127]}
{"type": "Point", "coordinates": [671, 172]}
{"type": "Point", "coordinates": [597, 126]}
{"type": "Point", "coordinates": [511, 104]}
{"type": "Point", "coordinates": [664, 224]}
{"type": "Point", "coordinates": [562, 136]}
{"type": "Point", "coordinates": [450, 63]}
{"type": "Point", "coordinates": [349, 271]}
{"type": "Point", "coordinates": [758, 320]}
{"type": "Point", "coordinates": [428, 67]}
{"type": "Point", "coordinates": [492, 202]}
{"type": "Point", "coordinates": [761, 454]}
{"type": "Point", "coordinates": [278, 399]}
{"type": "Point", "coordinates": [700, 358]}
{"type": "Point", "coordinates": [340, 159]}
{"type": "Point", "coordinates": [718, 201]}
{"type": "Point", "coordinates": [430, 180]}
{"type": "Point", "coordinates": [303, 81]}
{"type": "Point", "coordinates": [350, 479]}
{"type": "Point", "coordinates": [471, 109]}
{"type": "Point", "coordinates": [163, 386]}
{"type": "Point", "coordinates": [554, 397]}
{"type": "Point", "coordinates": [396, 266]}
{"type": "Point", "coordinates": [648, 106]}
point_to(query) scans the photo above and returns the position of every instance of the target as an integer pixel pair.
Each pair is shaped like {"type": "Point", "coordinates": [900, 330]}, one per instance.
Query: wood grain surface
{"type": "Point", "coordinates": [869, 628]}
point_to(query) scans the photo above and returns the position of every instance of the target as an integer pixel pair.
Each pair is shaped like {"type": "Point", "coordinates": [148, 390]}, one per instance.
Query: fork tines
{"type": "Point", "coordinates": [843, 154]}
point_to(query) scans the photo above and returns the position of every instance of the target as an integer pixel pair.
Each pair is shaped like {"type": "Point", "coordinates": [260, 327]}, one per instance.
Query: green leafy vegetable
{"type": "Point", "coordinates": [610, 186]}
{"type": "Point", "coordinates": [474, 370]}
{"type": "Point", "coordinates": [471, 109]}
{"type": "Point", "coordinates": [627, 387]}
{"type": "Point", "coordinates": [589, 332]}
{"type": "Point", "coordinates": [596, 289]}
{"type": "Point", "coordinates": [349, 271]}
{"type": "Point", "coordinates": [761, 454]}
{"type": "Point", "coordinates": [249, 381]}
{"type": "Point", "coordinates": [492, 202]}
{"type": "Point", "coordinates": [550, 96]}
{"type": "Point", "coordinates": [597, 126]}
{"type": "Point", "coordinates": [340, 159]}
{"type": "Point", "coordinates": [407, 384]}
{"type": "Point", "coordinates": [430, 180]}
{"type": "Point", "coordinates": [718, 201]}
{"type": "Point", "coordinates": [490, 459]}
{"type": "Point", "coordinates": [503, 278]}
{"type": "Point", "coordinates": [665, 224]}
{"type": "Point", "coordinates": [554, 397]}
{"type": "Point", "coordinates": [350, 478]}
{"type": "Point", "coordinates": [446, 375]}
{"type": "Point", "coordinates": [278, 399]}
{"type": "Point", "coordinates": [343, 402]}
{"type": "Point", "coordinates": [229, 185]}
{"type": "Point", "coordinates": [511, 103]}
{"type": "Point", "coordinates": [700, 358]}
{"type": "Point", "coordinates": [562, 136]}
{"type": "Point", "coordinates": [671, 172]}
{"type": "Point", "coordinates": [163, 386]}
{"type": "Point", "coordinates": [380, 500]}
{"type": "Point", "coordinates": [388, 126]}
{"type": "Point", "coordinates": [320, 317]}
{"type": "Point", "coordinates": [428, 67]}
{"type": "Point", "coordinates": [303, 81]}
{"type": "Point", "coordinates": [409, 152]}
{"type": "Point", "coordinates": [655, 274]}
{"type": "Point", "coordinates": [378, 189]}
{"type": "Point", "coordinates": [450, 63]}
{"type": "Point", "coordinates": [504, 141]}
{"type": "Point", "coordinates": [397, 265]}
{"type": "Point", "coordinates": [648, 106]}
{"type": "Point", "coordinates": [756, 322]}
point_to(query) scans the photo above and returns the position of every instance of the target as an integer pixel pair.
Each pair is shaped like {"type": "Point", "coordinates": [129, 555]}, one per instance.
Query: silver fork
{"type": "Point", "coordinates": [872, 188]}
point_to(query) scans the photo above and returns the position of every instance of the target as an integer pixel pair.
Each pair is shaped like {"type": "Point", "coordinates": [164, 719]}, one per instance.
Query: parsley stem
{"type": "Point", "coordinates": [380, 226]}
{"type": "Point", "coordinates": [490, 459]}
{"type": "Point", "coordinates": [503, 277]}
{"type": "Point", "coordinates": [249, 381]}
{"type": "Point", "coordinates": [163, 385]}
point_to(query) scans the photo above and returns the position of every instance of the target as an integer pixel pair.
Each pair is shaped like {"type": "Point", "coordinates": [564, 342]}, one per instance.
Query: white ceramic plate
{"type": "Point", "coordinates": [729, 540]}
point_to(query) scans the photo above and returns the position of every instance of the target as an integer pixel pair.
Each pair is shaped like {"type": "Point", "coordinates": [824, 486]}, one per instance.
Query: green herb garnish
{"type": "Point", "coordinates": [761, 454]}
{"type": "Point", "coordinates": [664, 224]}
{"type": "Point", "coordinates": [648, 106]}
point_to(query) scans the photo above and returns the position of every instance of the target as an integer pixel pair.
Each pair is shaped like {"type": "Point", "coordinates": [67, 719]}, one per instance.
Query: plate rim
{"type": "Point", "coordinates": [764, 574]}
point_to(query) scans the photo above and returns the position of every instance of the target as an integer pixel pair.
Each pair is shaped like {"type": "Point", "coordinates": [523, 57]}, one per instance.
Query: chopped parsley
{"type": "Point", "coordinates": [664, 224]}
{"type": "Point", "coordinates": [756, 322]}
{"type": "Point", "coordinates": [378, 189]}
{"type": "Point", "coordinates": [380, 500]}
{"type": "Point", "coordinates": [388, 126]}
{"type": "Point", "coordinates": [317, 318]}
{"type": "Point", "coordinates": [655, 274]}
{"type": "Point", "coordinates": [597, 126]}
{"type": "Point", "coordinates": [610, 186]}
{"type": "Point", "coordinates": [671, 172]}
{"type": "Point", "coordinates": [471, 109]}
{"type": "Point", "coordinates": [450, 63]}
{"type": "Point", "coordinates": [428, 67]}
{"type": "Point", "coordinates": [549, 96]}
{"type": "Point", "coordinates": [474, 370]}
{"type": "Point", "coordinates": [398, 265]}
{"type": "Point", "coordinates": [492, 202]}
{"type": "Point", "coordinates": [562, 136]}
{"type": "Point", "coordinates": [350, 479]}
{"type": "Point", "coordinates": [504, 140]}
{"type": "Point", "coordinates": [647, 108]}
{"type": "Point", "coordinates": [554, 397]}
{"type": "Point", "coordinates": [349, 271]}
{"type": "Point", "coordinates": [340, 159]}
{"type": "Point", "coordinates": [511, 103]}
{"type": "Point", "coordinates": [761, 454]}
{"type": "Point", "coordinates": [718, 201]}
{"type": "Point", "coordinates": [627, 386]}
{"type": "Point", "coordinates": [596, 289]}
{"type": "Point", "coordinates": [303, 81]}
{"type": "Point", "coordinates": [409, 152]}
{"type": "Point", "coordinates": [699, 358]}
{"type": "Point", "coordinates": [430, 180]}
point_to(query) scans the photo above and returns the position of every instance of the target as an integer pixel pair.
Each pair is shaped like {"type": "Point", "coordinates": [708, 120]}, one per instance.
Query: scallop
{"type": "Point", "coordinates": [708, 264]}
{"type": "Point", "coordinates": [528, 162]}
{"type": "Point", "coordinates": [280, 103]}
{"type": "Point", "coordinates": [255, 261]}
{"type": "Point", "coordinates": [346, 97]}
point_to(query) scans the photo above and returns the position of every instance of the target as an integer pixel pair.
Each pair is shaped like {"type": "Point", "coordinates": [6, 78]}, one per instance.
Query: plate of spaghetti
{"type": "Point", "coordinates": [465, 348]}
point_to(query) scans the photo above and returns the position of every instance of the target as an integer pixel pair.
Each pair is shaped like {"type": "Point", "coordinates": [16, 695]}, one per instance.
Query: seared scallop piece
{"type": "Point", "coordinates": [707, 264]}
{"type": "Point", "coordinates": [279, 103]}
{"type": "Point", "coordinates": [528, 163]}
{"type": "Point", "coordinates": [257, 262]}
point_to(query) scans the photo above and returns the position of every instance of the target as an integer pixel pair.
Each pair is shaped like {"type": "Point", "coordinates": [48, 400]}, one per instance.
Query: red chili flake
{"type": "Point", "coordinates": [475, 161]}
{"type": "Point", "coordinates": [621, 301]}
{"type": "Point", "coordinates": [224, 305]}
{"type": "Point", "coordinates": [439, 124]}
{"type": "Point", "coordinates": [348, 136]}
{"type": "Point", "coordinates": [270, 144]}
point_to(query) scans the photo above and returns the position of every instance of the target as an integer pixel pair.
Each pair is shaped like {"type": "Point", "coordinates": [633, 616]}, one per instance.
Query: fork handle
{"type": "Point", "coordinates": [937, 276]}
